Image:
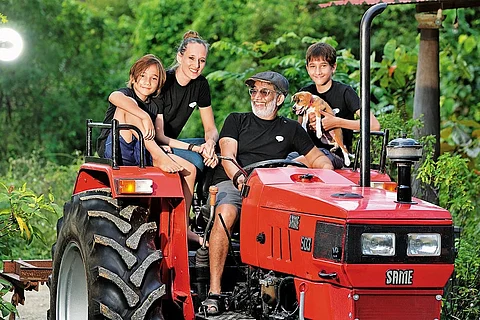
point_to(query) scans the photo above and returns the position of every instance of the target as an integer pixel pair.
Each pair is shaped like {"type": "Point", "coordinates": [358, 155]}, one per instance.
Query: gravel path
{"type": "Point", "coordinates": [36, 304]}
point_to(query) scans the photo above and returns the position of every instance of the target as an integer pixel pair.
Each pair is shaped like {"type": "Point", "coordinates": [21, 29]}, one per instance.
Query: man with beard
{"type": "Point", "coordinates": [252, 137]}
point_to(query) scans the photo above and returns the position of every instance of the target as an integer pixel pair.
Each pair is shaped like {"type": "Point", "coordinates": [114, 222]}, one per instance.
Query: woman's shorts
{"type": "Point", "coordinates": [190, 156]}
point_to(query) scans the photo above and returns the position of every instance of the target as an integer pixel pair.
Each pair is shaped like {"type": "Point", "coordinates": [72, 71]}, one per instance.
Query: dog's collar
{"type": "Point", "coordinates": [311, 102]}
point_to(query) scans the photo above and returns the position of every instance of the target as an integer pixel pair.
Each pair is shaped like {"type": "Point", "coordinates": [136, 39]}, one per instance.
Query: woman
{"type": "Point", "coordinates": [184, 90]}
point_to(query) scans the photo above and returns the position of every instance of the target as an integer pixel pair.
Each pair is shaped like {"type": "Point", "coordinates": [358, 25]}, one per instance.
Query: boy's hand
{"type": "Point", "coordinates": [329, 122]}
{"type": "Point", "coordinates": [311, 121]}
{"type": "Point", "coordinates": [149, 133]}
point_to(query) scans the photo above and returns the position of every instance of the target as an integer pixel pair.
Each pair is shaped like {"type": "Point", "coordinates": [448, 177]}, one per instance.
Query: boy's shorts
{"type": "Point", "coordinates": [130, 152]}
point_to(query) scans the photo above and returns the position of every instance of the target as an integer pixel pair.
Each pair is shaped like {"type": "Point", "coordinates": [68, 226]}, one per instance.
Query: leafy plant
{"type": "Point", "coordinates": [6, 308]}
{"type": "Point", "coordinates": [20, 209]}
{"type": "Point", "coordinates": [43, 177]}
{"type": "Point", "coordinates": [458, 188]}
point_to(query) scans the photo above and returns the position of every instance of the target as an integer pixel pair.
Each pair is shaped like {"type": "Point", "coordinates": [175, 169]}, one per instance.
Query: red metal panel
{"type": "Point", "coordinates": [324, 301]}
{"type": "Point", "coordinates": [411, 305]}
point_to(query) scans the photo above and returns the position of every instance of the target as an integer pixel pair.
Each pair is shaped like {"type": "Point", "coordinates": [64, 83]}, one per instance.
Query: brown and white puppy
{"type": "Point", "coordinates": [305, 103]}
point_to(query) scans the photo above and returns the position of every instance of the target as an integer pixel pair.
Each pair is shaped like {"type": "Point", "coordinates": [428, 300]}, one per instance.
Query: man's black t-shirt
{"type": "Point", "coordinates": [177, 102]}
{"type": "Point", "coordinates": [346, 100]}
{"type": "Point", "coordinates": [147, 106]}
{"type": "Point", "coordinates": [260, 140]}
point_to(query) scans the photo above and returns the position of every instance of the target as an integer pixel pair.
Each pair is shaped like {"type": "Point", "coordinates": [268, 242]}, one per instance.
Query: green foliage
{"type": "Point", "coordinates": [6, 308]}
{"type": "Point", "coordinates": [458, 188]}
{"type": "Point", "coordinates": [460, 80]}
{"type": "Point", "coordinates": [456, 185]}
{"type": "Point", "coordinates": [44, 177]}
{"type": "Point", "coordinates": [19, 208]}
{"type": "Point", "coordinates": [3, 18]}
{"type": "Point", "coordinates": [54, 85]}
{"type": "Point", "coordinates": [463, 297]}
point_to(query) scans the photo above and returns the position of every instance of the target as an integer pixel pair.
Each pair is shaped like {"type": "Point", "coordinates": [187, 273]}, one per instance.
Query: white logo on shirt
{"type": "Point", "coordinates": [279, 138]}
{"type": "Point", "coordinates": [193, 104]}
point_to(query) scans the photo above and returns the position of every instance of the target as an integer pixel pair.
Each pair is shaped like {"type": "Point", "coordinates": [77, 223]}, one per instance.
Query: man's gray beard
{"type": "Point", "coordinates": [267, 112]}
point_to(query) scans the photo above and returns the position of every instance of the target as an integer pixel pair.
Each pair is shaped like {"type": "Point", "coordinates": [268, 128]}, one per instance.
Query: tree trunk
{"type": "Point", "coordinates": [427, 93]}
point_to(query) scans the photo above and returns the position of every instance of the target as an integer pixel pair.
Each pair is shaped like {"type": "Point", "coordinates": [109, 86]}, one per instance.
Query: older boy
{"type": "Point", "coordinates": [321, 59]}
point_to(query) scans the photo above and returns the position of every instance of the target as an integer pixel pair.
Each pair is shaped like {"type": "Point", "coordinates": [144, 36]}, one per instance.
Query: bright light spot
{"type": "Point", "coordinates": [11, 44]}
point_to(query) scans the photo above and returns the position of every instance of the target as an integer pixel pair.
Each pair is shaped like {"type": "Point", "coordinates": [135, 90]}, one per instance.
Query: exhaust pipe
{"type": "Point", "coordinates": [365, 26]}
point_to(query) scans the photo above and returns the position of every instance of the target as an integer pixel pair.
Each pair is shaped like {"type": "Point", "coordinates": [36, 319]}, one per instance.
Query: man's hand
{"type": "Point", "coordinates": [240, 182]}
{"type": "Point", "coordinates": [211, 162]}
{"type": "Point", "coordinates": [207, 149]}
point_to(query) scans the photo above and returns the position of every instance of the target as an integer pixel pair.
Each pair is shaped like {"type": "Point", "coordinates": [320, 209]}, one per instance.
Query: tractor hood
{"type": "Point", "coordinates": [309, 223]}
{"type": "Point", "coordinates": [329, 193]}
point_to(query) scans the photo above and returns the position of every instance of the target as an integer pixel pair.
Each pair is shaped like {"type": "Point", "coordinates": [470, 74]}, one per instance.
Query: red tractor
{"type": "Point", "coordinates": [311, 243]}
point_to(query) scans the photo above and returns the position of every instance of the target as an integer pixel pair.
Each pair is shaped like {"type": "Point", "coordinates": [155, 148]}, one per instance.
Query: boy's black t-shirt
{"type": "Point", "coordinates": [177, 102]}
{"type": "Point", "coordinates": [344, 98]}
{"type": "Point", "coordinates": [260, 140]}
{"type": "Point", "coordinates": [147, 106]}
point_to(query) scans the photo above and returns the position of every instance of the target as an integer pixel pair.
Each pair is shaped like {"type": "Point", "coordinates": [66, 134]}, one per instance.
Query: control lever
{"type": "Point", "coordinates": [213, 190]}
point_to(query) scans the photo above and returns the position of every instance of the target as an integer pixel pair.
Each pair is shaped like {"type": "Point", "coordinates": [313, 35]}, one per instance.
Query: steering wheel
{"type": "Point", "coordinates": [275, 163]}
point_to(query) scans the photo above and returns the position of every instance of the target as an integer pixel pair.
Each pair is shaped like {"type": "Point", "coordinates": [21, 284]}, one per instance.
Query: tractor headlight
{"type": "Point", "coordinates": [424, 244]}
{"type": "Point", "coordinates": [378, 244]}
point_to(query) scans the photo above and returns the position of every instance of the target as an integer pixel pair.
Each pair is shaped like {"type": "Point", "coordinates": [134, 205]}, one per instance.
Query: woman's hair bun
{"type": "Point", "coordinates": [191, 34]}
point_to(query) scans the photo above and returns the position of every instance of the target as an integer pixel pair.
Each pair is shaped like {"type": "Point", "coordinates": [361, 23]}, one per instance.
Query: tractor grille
{"type": "Point", "coordinates": [396, 307]}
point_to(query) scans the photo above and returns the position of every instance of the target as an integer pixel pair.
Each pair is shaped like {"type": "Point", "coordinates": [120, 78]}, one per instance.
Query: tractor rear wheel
{"type": "Point", "coordinates": [105, 263]}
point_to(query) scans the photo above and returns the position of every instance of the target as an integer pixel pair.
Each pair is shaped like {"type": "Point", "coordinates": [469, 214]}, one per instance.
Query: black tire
{"type": "Point", "coordinates": [105, 261]}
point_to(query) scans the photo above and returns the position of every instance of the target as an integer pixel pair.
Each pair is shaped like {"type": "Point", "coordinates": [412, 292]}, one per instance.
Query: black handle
{"type": "Point", "coordinates": [323, 274]}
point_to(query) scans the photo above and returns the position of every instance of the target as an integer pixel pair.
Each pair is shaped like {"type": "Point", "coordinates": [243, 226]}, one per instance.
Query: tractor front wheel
{"type": "Point", "coordinates": [105, 261]}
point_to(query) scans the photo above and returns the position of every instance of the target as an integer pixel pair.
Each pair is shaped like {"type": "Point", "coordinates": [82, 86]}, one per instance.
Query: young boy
{"type": "Point", "coordinates": [321, 59]}
{"type": "Point", "coordinates": [133, 105]}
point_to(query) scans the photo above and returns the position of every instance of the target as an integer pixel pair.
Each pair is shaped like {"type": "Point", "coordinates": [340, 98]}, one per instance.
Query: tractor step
{"type": "Point", "coordinates": [229, 315]}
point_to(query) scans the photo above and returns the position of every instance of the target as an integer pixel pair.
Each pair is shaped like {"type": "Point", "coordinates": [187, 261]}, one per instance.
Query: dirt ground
{"type": "Point", "coordinates": [36, 304]}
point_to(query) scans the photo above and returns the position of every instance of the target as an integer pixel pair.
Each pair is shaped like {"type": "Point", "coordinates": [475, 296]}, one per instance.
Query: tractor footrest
{"type": "Point", "coordinates": [229, 315]}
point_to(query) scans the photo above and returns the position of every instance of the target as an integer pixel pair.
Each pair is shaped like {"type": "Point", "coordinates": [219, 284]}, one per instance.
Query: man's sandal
{"type": "Point", "coordinates": [211, 305]}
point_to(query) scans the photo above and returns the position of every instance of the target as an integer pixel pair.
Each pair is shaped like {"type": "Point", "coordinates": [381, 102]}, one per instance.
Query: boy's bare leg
{"type": "Point", "coordinates": [160, 158]}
